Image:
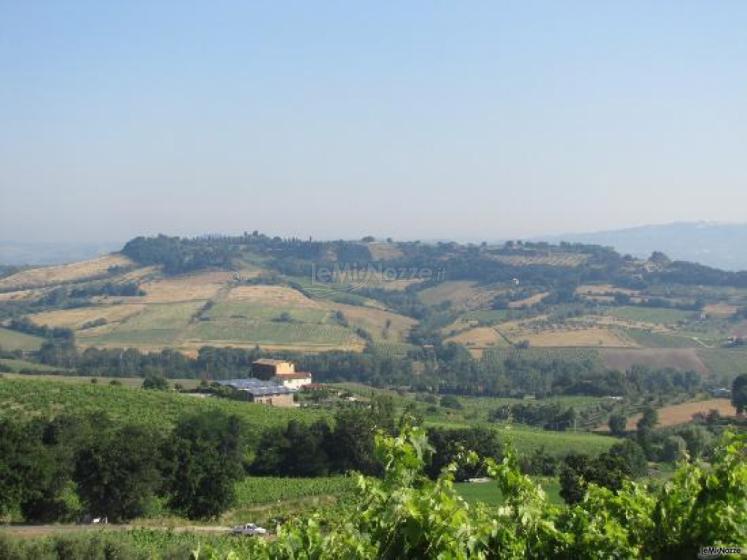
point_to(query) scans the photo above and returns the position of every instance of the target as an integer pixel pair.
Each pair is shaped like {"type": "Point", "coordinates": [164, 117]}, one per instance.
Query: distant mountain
{"type": "Point", "coordinates": [45, 253]}
{"type": "Point", "coordinates": [719, 245]}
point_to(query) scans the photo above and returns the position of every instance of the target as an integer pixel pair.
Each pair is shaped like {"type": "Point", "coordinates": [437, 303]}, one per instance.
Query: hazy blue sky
{"type": "Point", "coordinates": [464, 120]}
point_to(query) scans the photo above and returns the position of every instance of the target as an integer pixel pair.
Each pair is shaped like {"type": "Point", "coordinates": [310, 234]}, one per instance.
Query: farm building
{"type": "Point", "coordinates": [266, 368]}
{"type": "Point", "coordinates": [261, 391]}
{"type": "Point", "coordinates": [294, 380]}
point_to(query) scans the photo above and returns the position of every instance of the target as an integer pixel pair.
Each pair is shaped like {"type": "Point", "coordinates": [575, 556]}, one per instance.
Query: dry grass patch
{"type": "Point", "coordinates": [61, 274]}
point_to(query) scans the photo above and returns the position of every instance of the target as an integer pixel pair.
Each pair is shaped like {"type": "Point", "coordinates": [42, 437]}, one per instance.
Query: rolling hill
{"type": "Point", "coordinates": [288, 295]}
{"type": "Point", "coordinates": [718, 245]}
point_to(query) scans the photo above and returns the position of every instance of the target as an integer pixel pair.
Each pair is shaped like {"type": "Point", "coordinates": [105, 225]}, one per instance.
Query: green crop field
{"type": "Point", "coordinates": [257, 490]}
{"type": "Point", "coordinates": [233, 309]}
{"type": "Point", "coordinates": [489, 494]}
{"type": "Point", "coordinates": [158, 324]}
{"type": "Point", "coordinates": [64, 377]}
{"type": "Point", "coordinates": [660, 340]}
{"type": "Point", "coordinates": [488, 315]}
{"type": "Point", "coordinates": [47, 398]}
{"type": "Point", "coordinates": [475, 413]}
{"type": "Point", "coordinates": [566, 354]}
{"type": "Point", "coordinates": [724, 362]}
{"type": "Point", "coordinates": [271, 332]}
{"type": "Point", "coordinates": [13, 340]}
{"type": "Point", "coordinates": [23, 365]}
{"type": "Point", "coordinates": [650, 314]}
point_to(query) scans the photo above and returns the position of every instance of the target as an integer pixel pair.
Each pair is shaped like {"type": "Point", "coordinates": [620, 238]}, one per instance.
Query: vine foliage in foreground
{"type": "Point", "coordinates": [406, 515]}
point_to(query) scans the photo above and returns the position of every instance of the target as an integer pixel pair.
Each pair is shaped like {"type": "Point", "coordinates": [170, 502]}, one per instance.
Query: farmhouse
{"type": "Point", "coordinates": [267, 368]}
{"type": "Point", "coordinates": [294, 380]}
{"type": "Point", "coordinates": [261, 391]}
{"type": "Point", "coordinates": [281, 372]}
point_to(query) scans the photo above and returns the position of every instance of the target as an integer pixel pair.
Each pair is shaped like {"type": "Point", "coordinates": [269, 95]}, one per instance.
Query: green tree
{"type": "Point", "coordinates": [205, 460]}
{"type": "Point", "coordinates": [739, 393]}
{"type": "Point", "coordinates": [617, 424]}
{"type": "Point", "coordinates": [648, 420]}
{"type": "Point", "coordinates": [674, 449]}
{"type": "Point", "coordinates": [155, 382]}
{"type": "Point", "coordinates": [24, 464]}
{"type": "Point", "coordinates": [632, 456]}
{"type": "Point", "coordinates": [62, 438]}
{"type": "Point", "coordinates": [118, 473]}
{"type": "Point", "coordinates": [450, 401]}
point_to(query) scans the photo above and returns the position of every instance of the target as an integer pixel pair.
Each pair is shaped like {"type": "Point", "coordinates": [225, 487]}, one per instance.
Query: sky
{"type": "Point", "coordinates": [416, 120]}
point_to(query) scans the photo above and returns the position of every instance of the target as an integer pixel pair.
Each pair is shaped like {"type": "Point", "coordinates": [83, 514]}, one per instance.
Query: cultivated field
{"type": "Point", "coordinates": [34, 396]}
{"type": "Point", "coordinates": [685, 359]}
{"type": "Point", "coordinates": [52, 275]}
{"type": "Point", "coordinates": [720, 310]}
{"type": "Point", "coordinates": [490, 494]}
{"type": "Point", "coordinates": [683, 413]}
{"type": "Point", "coordinates": [601, 338]}
{"type": "Point", "coordinates": [380, 324]}
{"type": "Point", "coordinates": [528, 302]}
{"type": "Point", "coordinates": [191, 287]}
{"type": "Point", "coordinates": [650, 314]}
{"type": "Point", "coordinates": [13, 340]}
{"type": "Point", "coordinates": [479, 338]}
{"type": "Point", "coordinates": [77, 317]}
{"type": "Point", "coordinates": [461, 294]}
{"type": "Point", "coordinates": [158, 325]}
{"type": "Point", "coordinates": [550, 259]}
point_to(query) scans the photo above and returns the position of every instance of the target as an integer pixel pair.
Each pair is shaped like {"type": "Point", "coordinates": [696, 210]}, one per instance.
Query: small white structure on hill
{"type": "Point", "coordinates": [294, 380]}
{"type": "Point", "coordinates": [282, 372]}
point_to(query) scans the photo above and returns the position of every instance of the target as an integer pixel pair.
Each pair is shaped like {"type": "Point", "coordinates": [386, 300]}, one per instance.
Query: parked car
{"type": "Point", "coordinates": [249, 529]}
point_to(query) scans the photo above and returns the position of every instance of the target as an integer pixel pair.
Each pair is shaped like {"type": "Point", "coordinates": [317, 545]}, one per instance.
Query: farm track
{"type": "Point", "coordinates": [37, 531]}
